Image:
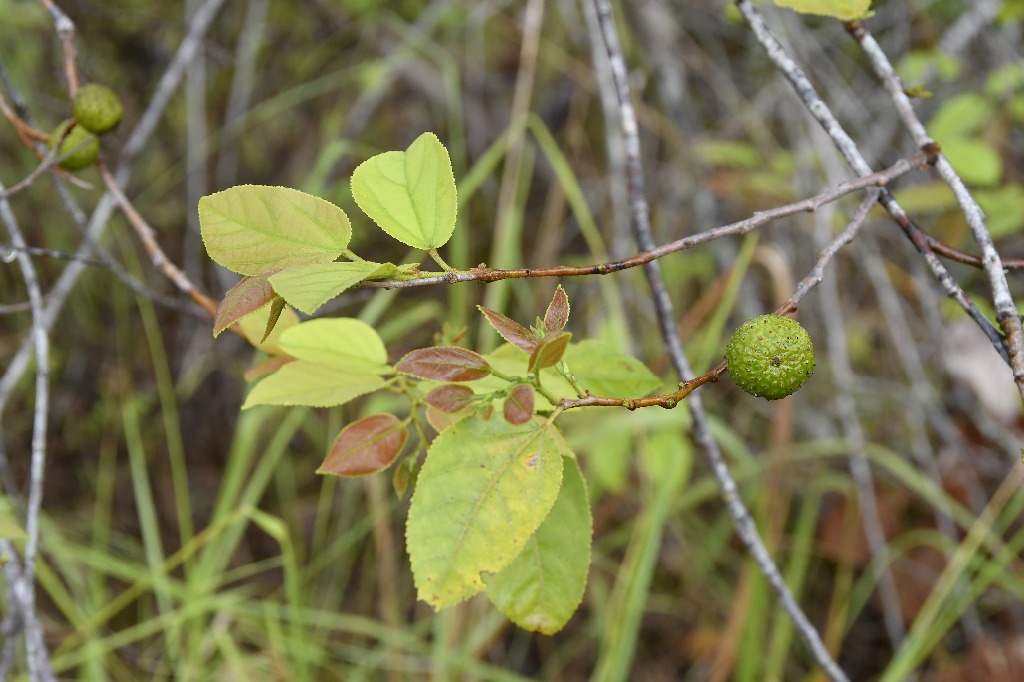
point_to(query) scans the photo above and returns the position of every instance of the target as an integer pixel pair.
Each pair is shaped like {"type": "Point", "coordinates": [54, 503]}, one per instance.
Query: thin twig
{"type": "Point", "coordinates": [738, 228]}
{"type": "Point", "coordinates": [106, 205]}
{"type": "Point", "coordinates": [45, 316]}
{"type": "Point", "coordinates": [817, 273]}
{"type": "Point", "coordinates": [1006, 310]}
{"type": "Point", "coordinates": [250, 39]}
{"type": "Point", "coordinates": [33, 139]}
{"type": "Point", "coordinates": [742, 521]}
{"type": "Point", "coordinates": [860, 468]}
{"type": "Point", "coordinates": [37, 657]}
{"type": "Point", "coordinates": [922, 396]}
{"type": "Point", "coordinates": [44, 165]}
{"type": "Point", "coordinates": [50, 253]}
{"type": "Point", "coordinates": [12, 623]}
{"type": "Point", "coordinates": [66, 32]}
{"type": "Point", "coordinates": [667, 401]}
{"type": "Point", "coordinates": [197, 27]}
{"type": "Point", "coordinates": [821, 112]}
{"type": "Point", "coordinates": [814, 277]}
{"type": "Point", "coordinates": [967, 258]}
{"type": "Point", "coordinates": [106, 262]}
{"type": "Point", "coordinates": [148, 237]}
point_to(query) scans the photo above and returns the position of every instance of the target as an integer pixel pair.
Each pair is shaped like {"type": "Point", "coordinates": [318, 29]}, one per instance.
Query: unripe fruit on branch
{"type": "Point", "coordinates": [97, 108]}
{"type": "Point", "coordinates": [770, 356]}
{"type": "Point", "coordinates": [82, 146]}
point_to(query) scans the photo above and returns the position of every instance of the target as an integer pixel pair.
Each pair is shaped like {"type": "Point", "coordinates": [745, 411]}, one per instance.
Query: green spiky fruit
{"type": "Point", "coordinates": [770, 356]}
{"type": "Point", "coordinates": [97, 108]}
{"type": "Point", "coordinates": [80, 145]}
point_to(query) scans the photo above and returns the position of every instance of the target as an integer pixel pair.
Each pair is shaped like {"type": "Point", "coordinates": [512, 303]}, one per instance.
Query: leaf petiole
{"type": "Point", "coordinates": [440, 261]}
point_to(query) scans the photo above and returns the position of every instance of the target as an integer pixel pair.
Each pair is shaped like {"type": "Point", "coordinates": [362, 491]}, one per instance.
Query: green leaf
{"type": "Point", "coordinates": [616, 448]}
{"type": "Point", "coordinates": [847, 10]}
{"type": "Point", "coordinates": [729, 153]}
{"type": "Point", "coordinates": [411, 194]}
{"type": "Point", "coordinates": [1004, 209]}
{"type": "Point", "coordinates": [484, 489]}
{"type": "Point", "coordinates": [928, 198]}
{"type": "Point", "coordinates": [960, 116]}
{"type": "Point", "coordinates": [918, 91]}
{"type": "Point", "coordinates": [975, 161]}
{"type": "Point", "coordinates": [669, 458]}
{"type": "Point", "coordinates": [543, 586]}
{"type": "Point", "coordinates": [604, 371]}
{"type": "Point", "coordinates": [343, 343]}
{"type": "Point", "coordinates": [251, 229]}
{"type": "Point", "coordinates": [10, 526]}
{"type": "Point", "coordinates": [310, 383]}
{"type": "Point", "coordinates": [1005, 80]}
{"type": "Point", "coordinates": [915, 65]}
{"type": "Point", "coordinates": [307, 287]}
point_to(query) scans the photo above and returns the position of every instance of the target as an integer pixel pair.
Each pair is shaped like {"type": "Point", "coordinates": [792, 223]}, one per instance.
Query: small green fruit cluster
{"type": "Point", "coordinates": [97, 108]}
{"type": "Point", "coordinates": [97, 111]}
{"type": "Point", "coordinates": [79, 149]}
{"type": "Point", "coordinates": [770, 356]}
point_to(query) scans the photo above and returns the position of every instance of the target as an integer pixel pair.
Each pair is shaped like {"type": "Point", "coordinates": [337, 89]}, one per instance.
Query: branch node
{"type": "Point", "coordinates": [932, 149]}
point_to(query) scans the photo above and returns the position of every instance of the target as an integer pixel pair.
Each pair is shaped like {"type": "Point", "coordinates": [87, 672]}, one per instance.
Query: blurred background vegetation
{"type": "Point", "coordinates": [184, 539]}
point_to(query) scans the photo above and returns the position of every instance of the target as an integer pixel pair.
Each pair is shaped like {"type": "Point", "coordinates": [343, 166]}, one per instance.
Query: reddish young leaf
{"type": "Point", "coordinates": [510, 330]}
{"type": "Point", "coordinates": [557, 314]}
{"type": "Point", "coordinates": [248, 296]}
{"type": "Point", "coordinates": [444, 364]}
{"type": "Point", "coordinates": [519, 404]}
{"type": "Point", "coordinates": [450, 398]}
{"type": "Point", "coordinates": [366, 446]}
{"type": "Point", "coordinates": [549, 351]}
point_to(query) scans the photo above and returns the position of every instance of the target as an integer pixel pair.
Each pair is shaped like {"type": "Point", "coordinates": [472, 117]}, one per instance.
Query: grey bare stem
{"type": "Point", "coordinates": [1006, 310]}
{"type": "Point", "coordinates": [824, 116]}
{"type": "Point", "coordinates": [742, 520]}
{"type": "Point", "coordinates": [23, 592]}
{"type": "Point", "coordinates": [43, 318]}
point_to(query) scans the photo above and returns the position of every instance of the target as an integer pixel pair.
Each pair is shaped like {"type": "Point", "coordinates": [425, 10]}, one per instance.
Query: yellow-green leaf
{"type": "Point", "coordinates": [961, 116]}
{"type": "Point", "coordinates": [251, 229]}
{"type": "Point", "coordinates": [410, 195]}
{"type": "Point", "coordinates": [307, 287]}
{"type": "Point", "coordinates": [975, 161]}
{"type": "Point", "coordinates": [313, 384]}
{"type": "Point", "coordinates": [602, 370]}
{"type": "Point", "coordinates": [343, 343]}
{"type": "Point", "coordinates": [847, 10]}
{"type": "Point", "coordinates": [543, 586]}
{"type": "Point", "coordinates": [485, 488]}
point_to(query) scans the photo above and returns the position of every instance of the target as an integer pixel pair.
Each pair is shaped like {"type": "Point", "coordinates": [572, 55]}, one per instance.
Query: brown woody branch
{"type": "Point", "coordinates": [759, 219]}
